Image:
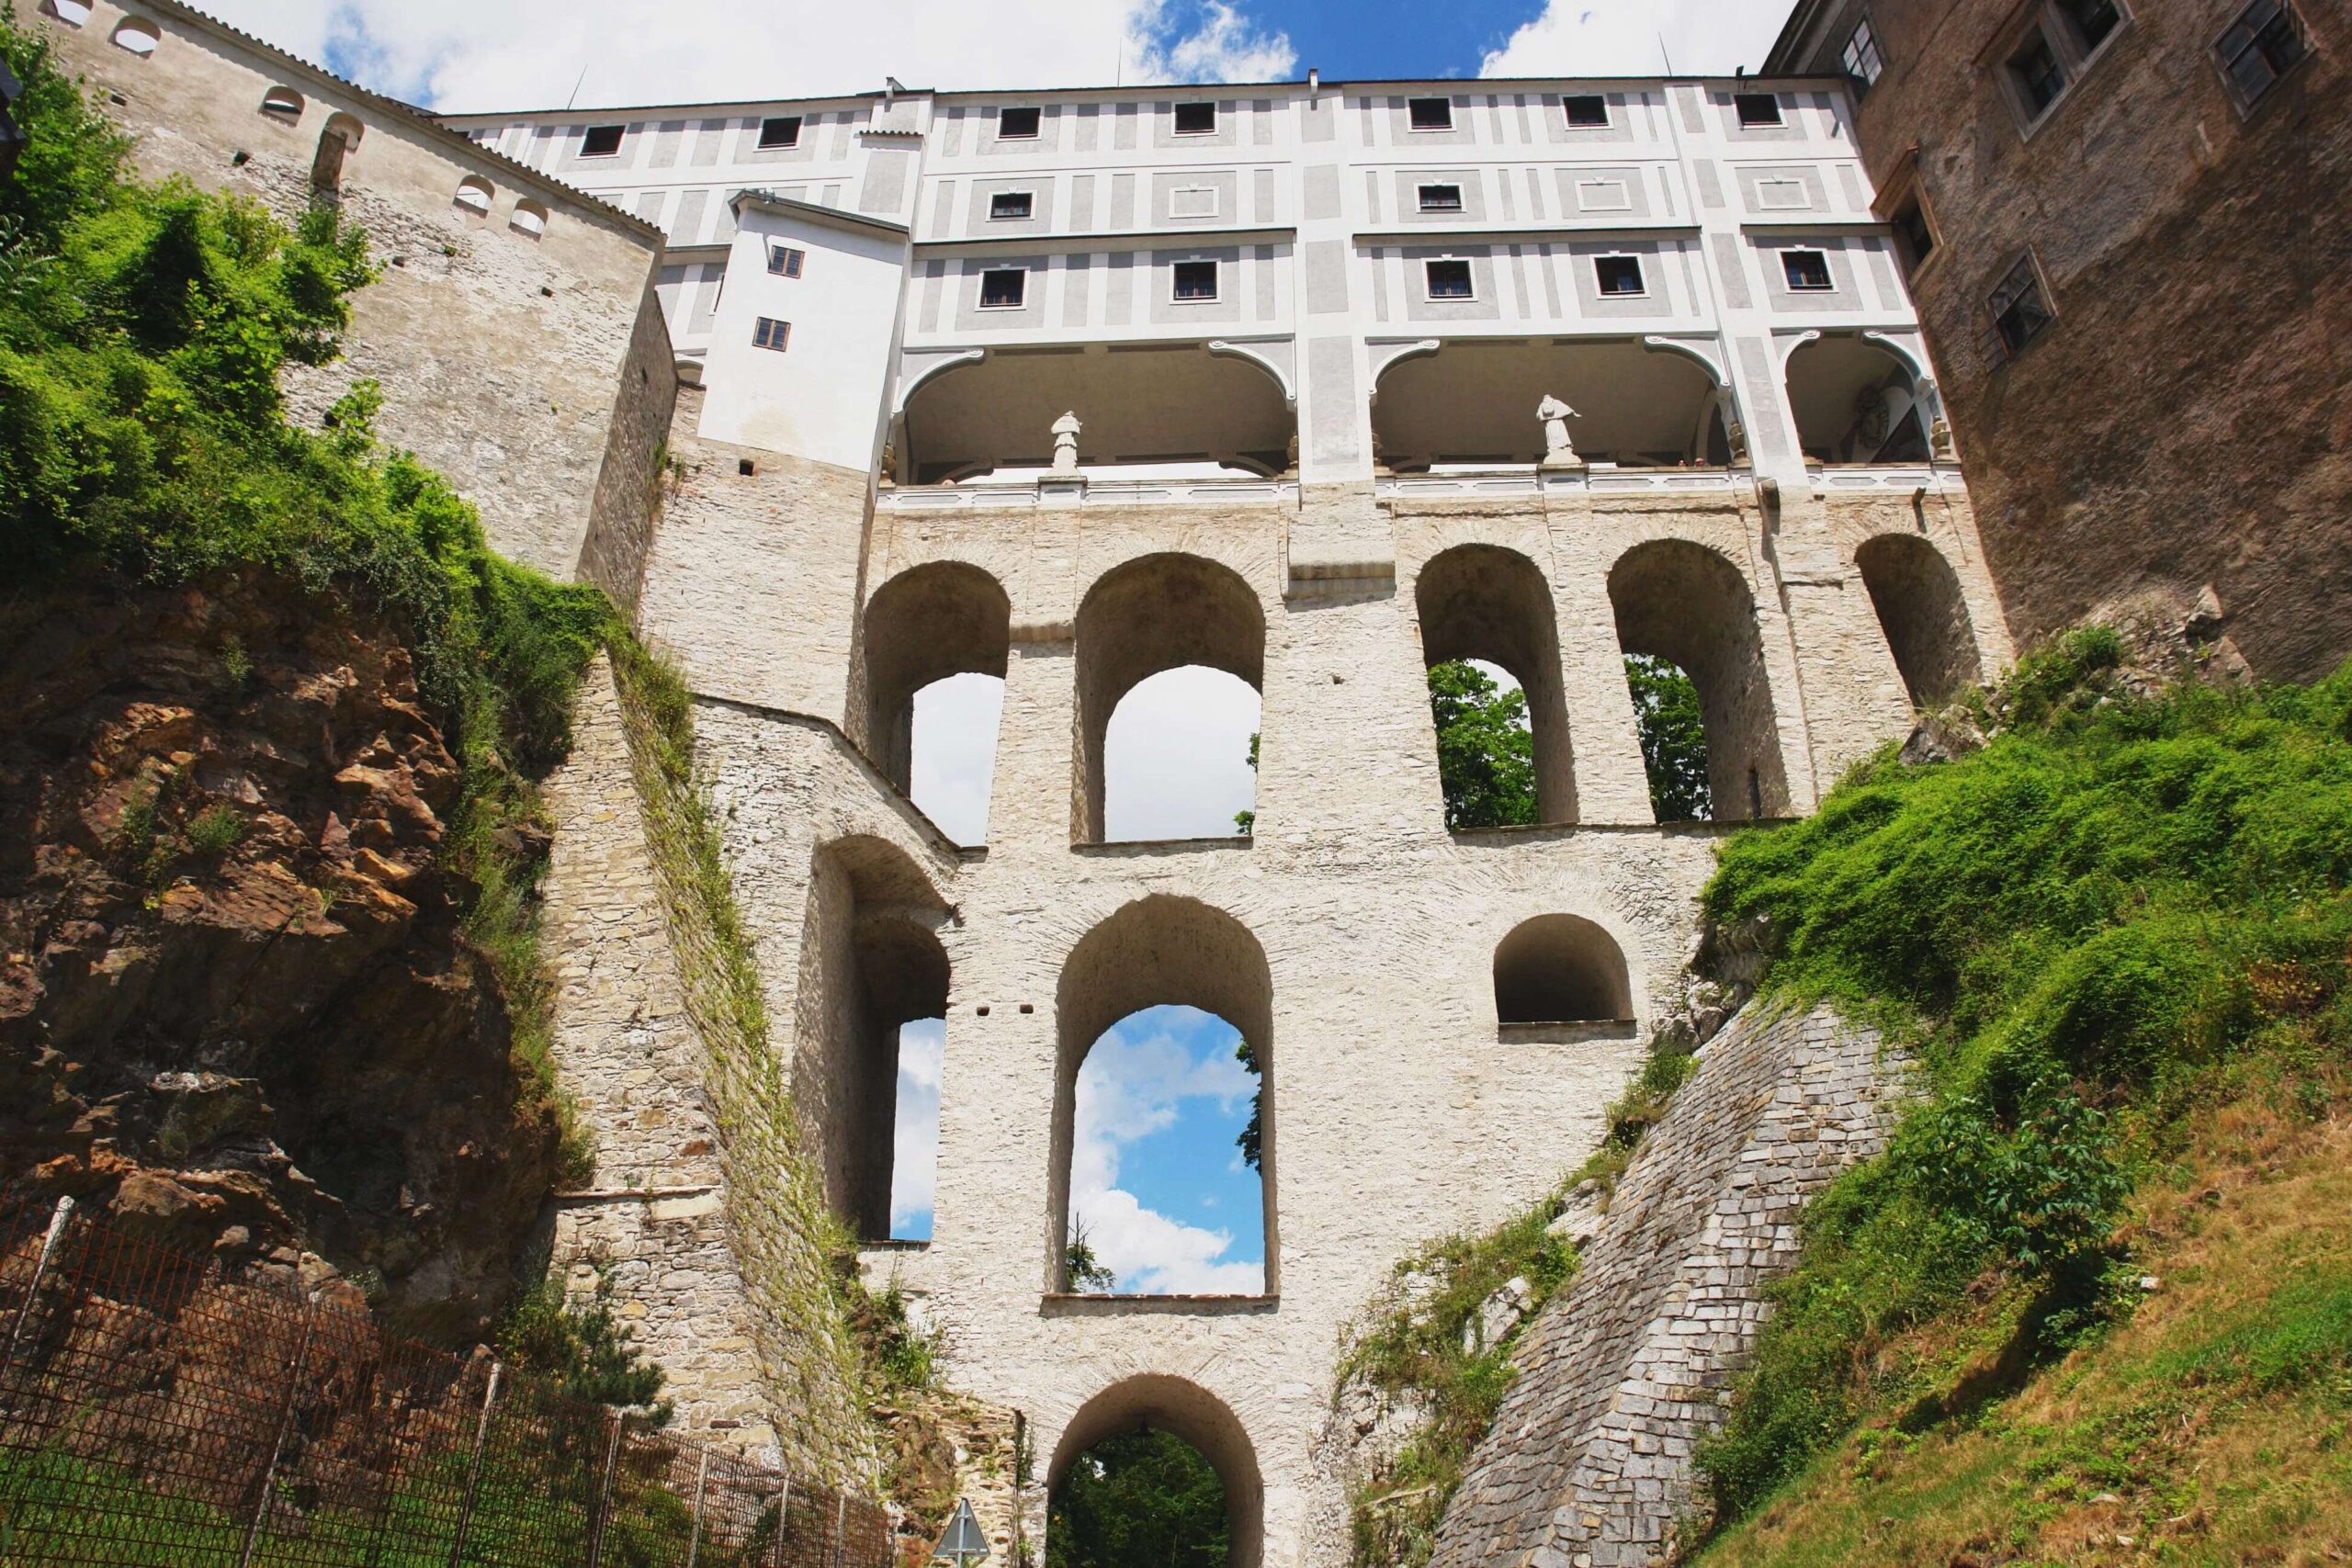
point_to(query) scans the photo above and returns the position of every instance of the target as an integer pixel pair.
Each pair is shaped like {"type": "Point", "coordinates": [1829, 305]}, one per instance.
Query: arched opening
{"type": "Point", "coordinates": [137, 35]}
{"type": "Point", "coordinates": [73, 13]}
{"type": "Point", "coordinates": [1482, 601]}
{"type": "Point", "coordinates": [1157, 614]}
{"type": "Point", "coordinates": [1205, 978]}
{"type": "Point", "coordinates": [282, 104]}
{"type": "Point", "coordinates": [871, 964]}
{"type": "Point", "coordinates": [530, 219]}
{"type": "Point", "coordinates": [475, 194]}
{"type": "Point", "coordinates": [338, 138]}
{"type": "Point", "coordinates": [1561, 969]}
{"type": "Point", "coordinates": [1473, 405]}
{"type": "Point", "coordinates": [1855, 402]}
{"type": "Point", "coordinates": [936, 640]}
{"type": "Point", "coordinates": [1116, 1430]}
{"type": "Point", "coordinates": [1924, 615]}
{"type": "Point", "coordinates": [1685, 604]}
{"type": "Point", "coordinates": [1156, 411]}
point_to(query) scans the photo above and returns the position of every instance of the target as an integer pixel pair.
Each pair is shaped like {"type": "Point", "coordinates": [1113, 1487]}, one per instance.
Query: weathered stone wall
{"type": "Point", "coordinates": [506, 360]}
{"type": "Point", "coordinates": [1587, 1465]}
{"type": "Point", "coordinates": [653, 1215]}
{"type": "Point", "coordinates": [2182, 421]}
{"type": "Point", "coordinates": [625, 505]}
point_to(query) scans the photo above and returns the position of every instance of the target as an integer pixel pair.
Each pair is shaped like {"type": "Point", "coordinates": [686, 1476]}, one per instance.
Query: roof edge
{"type": "Point", "coordinates": [833, 216]}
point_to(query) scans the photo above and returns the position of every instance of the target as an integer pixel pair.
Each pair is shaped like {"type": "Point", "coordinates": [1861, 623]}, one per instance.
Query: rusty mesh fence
{"type": "Point", "coordinates": [157, 1411]}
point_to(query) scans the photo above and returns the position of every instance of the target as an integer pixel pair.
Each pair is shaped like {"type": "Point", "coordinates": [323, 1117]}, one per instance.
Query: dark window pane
{"type": "Point", "coordinates": [1805, 269]}
{"type": "Point", "coordinates": [1010, 204]}
{"type": "Point", "coordinates": [782, 131]}
{"type": "Point", "coordinates": [1005, 289]}
{"type": "Point", "coordinates": [1756, 108]}
{"type": "Point", "coordinates": [1587, 109]}
{"type": "Point", "coordinates": [1196, 119]}
{"type": "Point", "coordinates": [2019, 312]}
{"type": "Point", "coordinates": [1619, 275]}
{"type": "Point", "coordinates": [1017, 125]}
{"type": "Point", "coordinates": [2037, 73]}
{"type": "Point", "coordinates": [1196, 280]}
{"type": "Point", "coordinates": [1917, 240]}
{"type": "Point", "coordinates": [1431, 114]}
{"type": "Point", "coordinates": [1450, 280]}
{"type": "Point", "coordinates": [2092, 20]}
{"type": "Point", "coordinates": [1441, 198]}
{"type": "Point", "coordinates": [601, 141]}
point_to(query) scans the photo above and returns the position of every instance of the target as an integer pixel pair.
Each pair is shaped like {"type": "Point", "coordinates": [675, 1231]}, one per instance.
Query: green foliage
{"type": "Point", "coordinates": [2084, 930]}
{"type": "Point", "coordinates": [1251, 1139]}
{"type": "Point", "coordinates": [215, 830]}
{"type": "Point", "coordinates": [904, 1359]}
{"type": "Point", "coordinates": [142, 442]}
{"type": "Point", "coordinates": [1674, 739]}
{"type": "Point", "coordinates": [1137, 1499]}
{"type": "Point", "coordinates": [1245, 823]}
{"type": "Point", "coordinates": [1082, 1270]}
{"type": "Point", "coordinates": [1486, 754]}
{"type": "Point", "coordinates": [581, 1350]}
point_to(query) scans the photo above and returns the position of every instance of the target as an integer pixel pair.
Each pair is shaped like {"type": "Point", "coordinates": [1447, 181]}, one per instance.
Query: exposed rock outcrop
{"type": "Point", "coordinates": [237, 1009]}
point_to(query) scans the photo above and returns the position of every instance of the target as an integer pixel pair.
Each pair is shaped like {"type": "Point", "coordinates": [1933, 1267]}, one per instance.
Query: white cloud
{"type": "Point", "coordinates": [955, 760]}
{"type": "Point", "coordinates": [1607, 38]}
{"type": "Point", "coordinates": [914, 1150]}
{"type": "Point", "coordinates": [1176, 760]}
{"type": "Point", "coordinates": [1130, 1087]}
{"type": "Point", "coordinates": [460, 55]}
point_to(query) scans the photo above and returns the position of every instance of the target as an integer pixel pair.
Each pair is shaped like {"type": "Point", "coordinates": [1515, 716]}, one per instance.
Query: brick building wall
{"type": "Point", "coordinates": [2182, 421]}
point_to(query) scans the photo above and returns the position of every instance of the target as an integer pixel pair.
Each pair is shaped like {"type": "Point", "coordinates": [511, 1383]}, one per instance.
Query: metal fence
{"type": "Point", "coordinates": [156, 1411]}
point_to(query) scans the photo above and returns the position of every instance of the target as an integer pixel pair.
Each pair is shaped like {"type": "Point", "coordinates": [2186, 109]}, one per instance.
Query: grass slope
{"type": "Point", "coordinates": [2117, 939]}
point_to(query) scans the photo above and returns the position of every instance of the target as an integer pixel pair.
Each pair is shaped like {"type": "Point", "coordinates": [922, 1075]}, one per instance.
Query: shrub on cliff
{"type": "Point", "coordinates": [2125, 906]}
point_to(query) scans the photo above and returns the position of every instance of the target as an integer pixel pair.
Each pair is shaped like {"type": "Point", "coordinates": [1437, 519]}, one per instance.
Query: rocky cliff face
{"type": "Point", "coordinates": [237, 1009]}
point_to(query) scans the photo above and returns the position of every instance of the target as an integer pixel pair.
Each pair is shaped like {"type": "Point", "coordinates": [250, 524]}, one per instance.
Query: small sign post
{"type": "Point", "coordinates": [962, 1545]}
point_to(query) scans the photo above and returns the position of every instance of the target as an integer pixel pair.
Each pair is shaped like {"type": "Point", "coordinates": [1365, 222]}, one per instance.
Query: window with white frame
{"type": "Point", "coordinates": [2021, 310]}
{"type": "Point", "coordinates": [1429, 114]}
{"type": "Point", "coordinates": [1445, 198]}
{"type": "Point", "coordinates": [1005, 287]}
{"type": "Point", "coordinates": [1006, 203]}
{"type": "Point", "coordinates": [1449, 277]}
{"type": "Point", "coordinates": [780, 130]}
{"type": "Point", "coordinates": [1196, 119]}
{"type": "Point", "coordinates": [1783, 195]}
{"type": "Point", "coordinates": [785, 261]}
{"type": "Point", "coordinates": [1192, 201]}
{"type": "Point", "coordinates": [601, 140]}
{"type": "Point", "coordinates": [1604, 195]}
{"type": "Point", "coordinates": [1757, 110]}
{"type": "Point", "coordinates": [1195, 281]}
{"type": "Point", "coordinates": [1019, 124]}
{"type": "Point", "coordinates": [1808, 272]}
{"type": "Point", "coordinates": [1620, 277]}
{"type": "Point", "coordinates": [1864, 63]}
{"type": "Point", "coordinates": [2265, 43]}
{"type": "Point", "coordinates": [771, 333]}
{"type": "Point", "coordinates": [2054, 44]}
{"type": "Point", "coordinates": [1586, 111]}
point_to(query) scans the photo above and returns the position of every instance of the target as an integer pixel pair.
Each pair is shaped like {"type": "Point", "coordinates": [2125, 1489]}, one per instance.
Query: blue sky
{"type": "Point", "coordinates": [462, 55]}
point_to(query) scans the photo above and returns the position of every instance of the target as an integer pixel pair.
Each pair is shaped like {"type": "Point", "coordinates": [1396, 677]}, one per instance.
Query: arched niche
{"type": "Point", "coordinates": [1159, 949]}
{"type": "Point", "coordinates": [137, 35]}
{"type": "Point", "coordinates": [475, 194]}
{"type": "Point", "coordinates": [1923, 612]}
{"type": "Point", "coordinates": [338, 138]}
{"type": "Point", "coordinates": [1159, 612]}
{"type": "Point", "coordinates": [1686, 603]}
{"type": "Point", "coordinates": [1183, 1407]}
{"type": "Point", "coordinates": [1561, 969]}
{"type": "Point", "coordinates": [1486, 602]}
{"type": "Point", "coordinates": [1856, 403]}
{"type": "Point", "coordinates": [870, 961]}
{"type": "Point", "coordinates": [928, 623]}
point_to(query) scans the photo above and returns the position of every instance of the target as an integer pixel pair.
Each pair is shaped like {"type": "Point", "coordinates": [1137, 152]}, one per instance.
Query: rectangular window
{"type": "Point", "coordinates": [2019, 312]}
{"type": "Point", "coordinates": [1586, 111]}
{"type": "Point", "coordinates": [2092, 20]}
{"type": "Point", "coordinates": [601, 140]}
{"type": "Point", "coordinates": [2035, 70]}
{"type": "Point", "coordinates": [1011, 204]}
{"type": "Point", "coordinates": [1864, 64]}
{"type": "Point", "coordinates": [771, 333]}
{"type": "Point", "coordinates": [1449, 280]}
{"type": "Point", "coordinates": [1196, 119]}
{"type": "Point", "coordinates": [1807, 271]}
{"type": "Point", "coordinates": [2261, 46]}
{"type": "Point", "coordinates": [1429, 114]}
{"type": "Point", "coordinates": [1004, 288]}
{"type": "Point", "coordinates": [1441, 198]}
{"type": "Point", "coordinates": [1914, 237]}
{"type": "Point", "coordinates": [783, 130]}
{"type": "Point", "coordinates": [786, 261]}
{"type": "Point", "coordinates": [1756, 108]}
{"type": "Point", "coordinates": [1621, 276]}
{"type": "Point", "coordinates": [1018, 125]}
{"type": "Point", "coordinates": [1196, 279]}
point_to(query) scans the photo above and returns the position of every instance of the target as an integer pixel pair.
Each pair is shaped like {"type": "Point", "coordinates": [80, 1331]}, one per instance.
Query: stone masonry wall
{"type": "Point", "coordinates": [1587, 1465]}
{"type": "Point", "coordinates": [653, 1214]}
